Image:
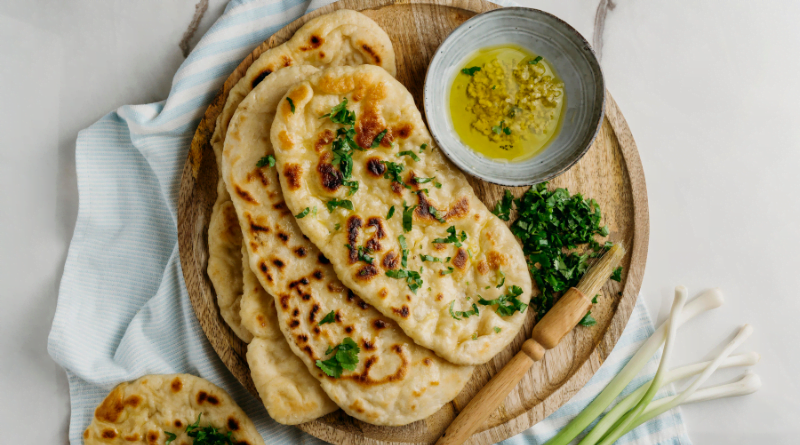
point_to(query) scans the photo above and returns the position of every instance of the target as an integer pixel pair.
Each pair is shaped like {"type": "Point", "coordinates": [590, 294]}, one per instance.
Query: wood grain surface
{"type": "Point", "coordinates": [610, 172]}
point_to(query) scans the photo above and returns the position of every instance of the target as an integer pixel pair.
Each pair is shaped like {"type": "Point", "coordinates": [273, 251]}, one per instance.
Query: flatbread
{"type": "Point", "coordinates": [289, 392]}
{"type": "Point", "coordinates": [343, 37]}
{"type": "Point", "coordinates": [143, 411]}
{"type": "Point", "coordinates": [302, 143]}
{"type": "Point", "coordinates": [395, 381]}
{"type": "Point", "coordinates": [225, 264]}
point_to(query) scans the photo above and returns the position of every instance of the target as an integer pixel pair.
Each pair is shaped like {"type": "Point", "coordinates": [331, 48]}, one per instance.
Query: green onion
{"type": "Point", "coordinates": [708, 300]}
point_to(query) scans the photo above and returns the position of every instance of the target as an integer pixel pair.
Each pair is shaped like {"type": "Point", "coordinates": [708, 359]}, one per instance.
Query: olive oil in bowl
{"type": "Point", "coordinates": [507, 103]}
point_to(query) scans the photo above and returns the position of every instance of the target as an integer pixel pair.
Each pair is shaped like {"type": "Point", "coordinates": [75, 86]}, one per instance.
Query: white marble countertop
{"type": "Point", "coordinates": [709, 88]}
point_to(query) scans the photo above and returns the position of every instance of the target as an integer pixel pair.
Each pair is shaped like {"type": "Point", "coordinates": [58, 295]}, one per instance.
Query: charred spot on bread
{"type": "Point", "coordinates": [244, 195]}
{"type": "Point", "coordinates": [292, 173]}
{"type": "Point", "coordinates": [375, 222]}
{"type": "Point", "coordinates": [403, 130]}
{"type": "Point", "coordinates": [367, 272]}
{"type": "Point", "coordinates": [329, 177]}
{"type": "Point", "coordinates": [459, 210]}
{"type": "Point", "coordinates": [375, 167]}
{"type": "Point", "coordinates": [390, 260]}
{"type": "Point", "coordinates": [368, 49]}
{"type": "Point", "coordinates": [324, 138]}
{"type": "Point", "coordinates": [460, 260]}
{"type": "Point", "coordinates": [261, 76]}
{"type": "Point", "coordinates": [403, 311]}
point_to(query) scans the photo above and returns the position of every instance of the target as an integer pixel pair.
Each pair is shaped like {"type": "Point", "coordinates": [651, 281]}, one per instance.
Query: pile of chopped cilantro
{"type": "Point", "coordinates": [345, 356]}
{"type": "Point", "coordinates": [551, 226]}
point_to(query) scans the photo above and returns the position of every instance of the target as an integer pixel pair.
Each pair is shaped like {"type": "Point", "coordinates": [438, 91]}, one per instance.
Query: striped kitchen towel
{"type": "Point", "coordinates": [123, 310]}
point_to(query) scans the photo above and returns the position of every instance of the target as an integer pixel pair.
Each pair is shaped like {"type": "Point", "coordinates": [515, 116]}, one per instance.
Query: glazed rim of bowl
{"type": "Point", "coordinates": [568, 147]}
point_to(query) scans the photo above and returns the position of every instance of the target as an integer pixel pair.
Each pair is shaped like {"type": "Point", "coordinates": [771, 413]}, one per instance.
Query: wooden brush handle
{"type": "Point", "coordinates": [566, 313]}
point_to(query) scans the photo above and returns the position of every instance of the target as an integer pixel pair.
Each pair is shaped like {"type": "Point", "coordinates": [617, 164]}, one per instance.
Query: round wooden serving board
{"type": "Point", "coordinates": [611, 173]}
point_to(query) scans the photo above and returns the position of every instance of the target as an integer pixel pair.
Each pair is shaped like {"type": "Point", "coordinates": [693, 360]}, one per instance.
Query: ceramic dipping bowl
{"type": "Point", "coordinates": [573, 61]}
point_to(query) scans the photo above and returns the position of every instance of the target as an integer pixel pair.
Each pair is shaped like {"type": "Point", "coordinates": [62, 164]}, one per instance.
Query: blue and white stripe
{"type": "Point", "coordinates": [123, 310]}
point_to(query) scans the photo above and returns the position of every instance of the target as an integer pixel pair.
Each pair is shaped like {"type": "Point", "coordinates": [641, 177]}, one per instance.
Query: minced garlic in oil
{"type": "Point", "coordinates": [507, 103]}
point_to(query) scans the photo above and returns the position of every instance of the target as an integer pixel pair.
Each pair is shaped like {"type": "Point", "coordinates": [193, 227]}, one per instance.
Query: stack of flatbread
{"type": "Point", "coordinates": [354, 259]}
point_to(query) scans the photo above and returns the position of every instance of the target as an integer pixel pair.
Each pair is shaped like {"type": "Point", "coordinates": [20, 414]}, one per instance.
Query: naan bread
{"type": "Point", "coordinates": [142, 411]}
{"type": "Point", "coordinates": [225, 264]}
{"type": "Point", "coordinates": [289, 392]}
{"type": "Point", "coordinates": [395, 381]}
{"type": "Point", "coordinates": [302, 144]}
{"type": "Point", "coordinates": [342, 37]}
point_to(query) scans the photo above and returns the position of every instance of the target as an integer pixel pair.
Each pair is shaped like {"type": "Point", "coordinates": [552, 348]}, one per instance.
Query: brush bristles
{"type": "Point", "coordinates": [596, 277]}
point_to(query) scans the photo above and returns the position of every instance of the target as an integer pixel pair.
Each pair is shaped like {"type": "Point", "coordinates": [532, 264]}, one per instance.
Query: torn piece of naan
{"type": "Point", "coordinates": [394, 381]}
{"type": "Point", "coordinates": [343, 37]}
{"type": "Point", "coordinates": [400, 224]}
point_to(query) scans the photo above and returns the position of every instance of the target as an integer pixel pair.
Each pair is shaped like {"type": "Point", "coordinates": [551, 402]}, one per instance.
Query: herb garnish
{"type": "Point", "coordinates": [503, 208]}
{"type": "Point", "coordinates": [410, 154]}
{"type": "Point", "coordinates": [345, 356]}
{"type": "Point", "coordinates": [413, 278]}
{"type": "Point", "coordinates": [393, 171]}
{"type": "Point", "coordinates": [466, 314]}
{"type": "Point", "coordinates": [471, 70]}
{"type": "Point", "coordinates": [535, 61]}
{"type": "Point", "coordinates": [363, 253]}
{"type": "Point", "coordinates": [303, 214]}
{"type": "Point", "coordinates": [408, 217]}
{"type": "Point", "coordinates": [203, 436]}
{"type": "Point", "coordinates": [452, 238]}
{"type": "Point", "coordinates": [424, 180]}
{"type": "Point", "coordinates": [587, 319]}
{"type": "Point", "coordinates": [404, 249]}
{"type": "Point", "coordinates": [496, 329]}
{"type": "Point", "coordinates": [508, 303]}
{"type": "Point", "coordinates": [434, 259]}
{"type": "Point", "coordinates": [344, 144]}
{"type": "Point", "coordinates": [423, 147]}
{"type": "Point", "coordinates": [341, 115]}
{"type": "Point", "coordinates": [334, 203]}
{"type": "Point", "coordinates": [266, 161]}
{"type": "Point", "coordinates": [549, 223]}
{"type": "Point", "coordinates": [391, 213]}
{"type": "Point", "coordinates": [617, 274]}
{"type": "Point", "coordinates": [291, 103]}
{"type": "Point", "coordinates": [502, 279]}
{"type": "Point", "coordinates": [446, 272]}
{"type": "Point", "coordinates": [377, 141]}
{"type": "Point", "coordinates": [502, 128]}
{"type": "Point", "coordinates": [432, 210]}
{"type": "Point", "coordinates": [329, 318]}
